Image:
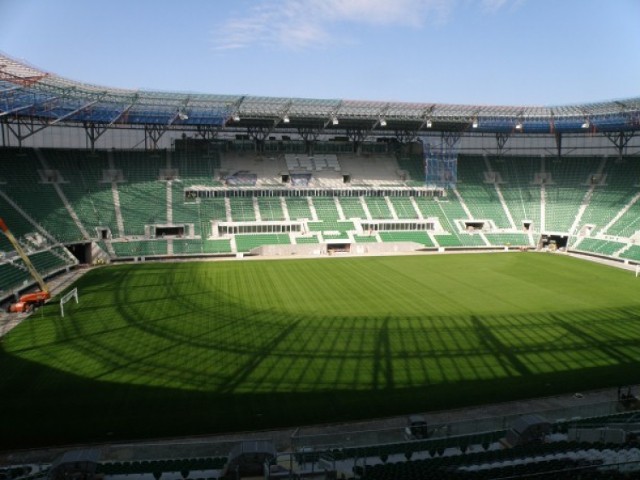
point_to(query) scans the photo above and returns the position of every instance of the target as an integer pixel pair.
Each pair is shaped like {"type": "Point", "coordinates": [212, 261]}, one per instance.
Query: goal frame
{"type": "Point", "coordinates": [68, 296]}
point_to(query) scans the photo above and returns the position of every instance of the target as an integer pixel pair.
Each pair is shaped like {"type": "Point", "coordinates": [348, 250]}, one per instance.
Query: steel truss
{"type": "Point", "coordinates": [31, 100]}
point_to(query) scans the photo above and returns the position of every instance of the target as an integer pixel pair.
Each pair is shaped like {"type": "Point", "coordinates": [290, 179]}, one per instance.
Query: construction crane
{"type": "Point", "coordinates": [28, 301]}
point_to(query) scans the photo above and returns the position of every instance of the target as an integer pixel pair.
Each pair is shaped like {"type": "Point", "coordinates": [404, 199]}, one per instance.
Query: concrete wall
{"type": "Point", "coordinates": [320, 249]}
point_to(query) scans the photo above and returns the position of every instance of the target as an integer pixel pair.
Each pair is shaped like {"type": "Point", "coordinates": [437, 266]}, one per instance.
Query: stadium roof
{"type": "Point", "coordinates": [29, 93]}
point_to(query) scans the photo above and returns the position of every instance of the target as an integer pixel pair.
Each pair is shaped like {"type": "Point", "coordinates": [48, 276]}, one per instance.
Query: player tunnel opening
{"type": "Point", "coordinates": [474, 225]}
{"type": "Point", "coordinates": [338, 247]}
{"type": "Point", "coordinates": [554, 242]}
{"type": "Point", "coordinates": [169, 231]}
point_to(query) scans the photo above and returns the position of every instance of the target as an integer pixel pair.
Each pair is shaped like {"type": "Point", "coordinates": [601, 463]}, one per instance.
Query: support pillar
{"type": "Point", "coordinates": [558, 137]}
{"type": "Point", "coordinates": [22, 128]}
{"type": "Point", "coordinates": [93, 132]}
{"type": "Point", "coordinates": [451, 138]}
{"type": "Point", "coordinates": [501, 141]}
{"type": "Point", "coordinates": [208, 132]}
{"type": "Point", "coordinates": [357, 136]}
{"type": "Point", "coordinates": [152, 135]}
{"type": "Point", "coordinates": [258, 135]}
{"type": "Point", "coordinates": [310, 136]}
{"type": "Point", "coordinates": [620, 140]}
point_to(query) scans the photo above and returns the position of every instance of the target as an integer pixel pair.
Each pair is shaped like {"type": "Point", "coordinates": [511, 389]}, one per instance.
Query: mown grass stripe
{"type": "Point", "coordinates": [172, 349]}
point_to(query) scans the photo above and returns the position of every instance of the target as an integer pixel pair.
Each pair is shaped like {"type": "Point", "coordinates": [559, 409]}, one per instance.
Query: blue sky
{"type": "Point", "coordinates": [513, 52]}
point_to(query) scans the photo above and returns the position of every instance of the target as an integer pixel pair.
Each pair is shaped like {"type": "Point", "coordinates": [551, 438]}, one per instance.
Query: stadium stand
{"type": "Point", "coordinates": [298, 208]}
{"type": "Point", "coordinates": [379, 208]}
{"type": "Point", "coordinates": [520, 194]}
{"type": "Point", "coordinates": [124, 198]}
{"type": "Point", "coordinates": [245, 243]}
{"type": "Point", "coordinates": [365, 238]}
{"type": "Point", "coordinates": [612, 191]}
{"type": "Point", "coordinates": [480, 196]}
{"type": "Point", "coordinates": [141, 248]}
{"type": "Point", "coordinates": [403, 207]}
{"type": "Point", "coordinates": [565, 189]}
{"type": "Point", "coordinates": [326, 209]}
{"type": "Point", "coordinates": [271, 208]}
{"type": "Point", "coordinates": [311, 239]}
{"type": "Point", "coordinates": [242, 209]}
{"type": "Point", "coordinates": [352, 207]}
{"type": "Point", "coordinates": [417, 237]}
{"type": "Point", "coordinates": [414, 166]}
{"type": "Point", "coordinates": [32, 188]}
{"type": "Point", "coordinates": [142, 195]}
{"type": "Point", "coordinates": [603, 247]}
{"type": "Point", "coordinates": [633, 253]}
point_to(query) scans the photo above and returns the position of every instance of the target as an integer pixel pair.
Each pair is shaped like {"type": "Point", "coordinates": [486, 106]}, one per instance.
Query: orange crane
{"type": "Point", "coordinates": [28, 301]}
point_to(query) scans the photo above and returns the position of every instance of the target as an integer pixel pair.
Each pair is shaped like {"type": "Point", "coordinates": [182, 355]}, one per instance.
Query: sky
{"type": "Point", "coordinates": [485, 52]}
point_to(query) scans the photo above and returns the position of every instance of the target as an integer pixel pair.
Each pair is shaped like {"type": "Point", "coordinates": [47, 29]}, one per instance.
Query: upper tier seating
{"type": "Point", "coordinates": [481, 198]}
{"type": "Point", "coordinates": [520, 194]}
{"type": "Point", "coordinates": [568, 186]}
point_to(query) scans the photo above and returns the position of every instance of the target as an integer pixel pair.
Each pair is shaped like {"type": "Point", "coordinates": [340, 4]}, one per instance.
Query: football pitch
{"type": "Point", "coordinates": [169, 349]}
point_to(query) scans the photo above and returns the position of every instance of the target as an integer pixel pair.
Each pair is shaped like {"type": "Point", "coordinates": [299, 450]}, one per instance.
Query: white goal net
{"type": "Point", "coordinates": [72, 294]}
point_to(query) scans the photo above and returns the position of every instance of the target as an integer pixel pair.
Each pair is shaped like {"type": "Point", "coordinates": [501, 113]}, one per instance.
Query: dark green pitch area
{"type": "Point", "coordinates": [169, 349]}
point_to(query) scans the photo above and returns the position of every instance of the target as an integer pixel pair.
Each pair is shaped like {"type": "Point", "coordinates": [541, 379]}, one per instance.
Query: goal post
{"type": "Point", "coordinates": [637, 270]}
{"type": "Point", "coordinates": [68, 296]}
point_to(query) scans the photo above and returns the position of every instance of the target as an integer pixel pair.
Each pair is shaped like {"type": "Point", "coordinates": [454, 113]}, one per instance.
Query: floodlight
{"type": "Point", "coordinates": [383, 122]}
{"type": "Point", "coordinates": [519, 126]}
{"type": "Point", "coordinates": [183, 116]}
{"type": "Point", "coordinates": [586, 124]}
{"type": "Point", "coordinates": [429, 123]}
{"type": "Point", "coordinates": [286, 119]}
{"type": "Point", "coordinates": [236, 117]}
{"type": "Point", "coordinates": [334, 121]}
{"type": "Point", "coordinates": [475, 123]}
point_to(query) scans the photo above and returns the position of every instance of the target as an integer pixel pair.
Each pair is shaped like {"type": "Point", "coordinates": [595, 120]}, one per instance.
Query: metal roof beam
{"type": "Point", "coordinates": [12, 89]}
{"type": "Point", "coordinates": [235, 110]}
{"type": "Point", "coordinates": [70, 114]}
{"type": "Point", "coordinates": [17, 109]}
{"type": "Point", "coordinates": [333, 116]}
{"type": "Point", "coordinates": [125, 111]}
{"type": "Point", "coordinates": [427, 117]}
{"type": "Point", "coordinates": [181, 112]}
{"type": "Point", "coordinates": [381, 121]}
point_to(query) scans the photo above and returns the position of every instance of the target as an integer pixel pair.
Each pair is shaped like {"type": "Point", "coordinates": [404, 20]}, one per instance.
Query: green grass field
{"type": "Point", "coordinates": [169, 349]}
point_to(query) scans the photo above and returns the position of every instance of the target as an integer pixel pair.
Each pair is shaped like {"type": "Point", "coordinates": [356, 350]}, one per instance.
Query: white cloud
{"type": "Point", "coordinates": [299, 24]}
{"type": "Point", "coordinates": [382, 12]}
{"type": "Point", "coordinates": [495, 5]}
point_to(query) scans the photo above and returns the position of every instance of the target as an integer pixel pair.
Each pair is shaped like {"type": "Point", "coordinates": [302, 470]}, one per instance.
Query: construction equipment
{"type": "Point", "coordinates": [627, 401]}
{"type": "Point", "coordinates": [28, 301]}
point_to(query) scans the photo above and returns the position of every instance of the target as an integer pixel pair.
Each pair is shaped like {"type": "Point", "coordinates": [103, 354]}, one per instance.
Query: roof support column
{"type": "Point", "coordinates": [558, 137]}
{"type": "Point", "coordinates": [501, 141]}
{"type": "Point", "coordinates": [208, 132]}
{"type": "Point", "coordinates": [450, 139]}
{"type": "Point", "coordinates": [5, 134]}
{"type": "Point", "coordinates": [310, 136]}
{"type": "Point", "coordinates": [406, 136]}
{"type": "Point", "coordinates": [18, 126]}
{"type": "Point", "coordinates": [94, 132]}
{"type": "Point", "coordinates": [357, 136]}
{"type": "Point", "coordinates": [620, 140]}
{"type": "Point", "coordinates": [258, 135]}
{"type": "Point", "coordinates": [152, 135]}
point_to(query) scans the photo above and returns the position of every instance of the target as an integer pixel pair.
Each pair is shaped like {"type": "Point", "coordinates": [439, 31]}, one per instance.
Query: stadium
{"type": "Point", "coordinates": [247, 264]}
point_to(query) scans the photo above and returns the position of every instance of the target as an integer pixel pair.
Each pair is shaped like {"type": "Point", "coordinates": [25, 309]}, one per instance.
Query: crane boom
{"type": "Point", "coordinates": [18, 248]}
